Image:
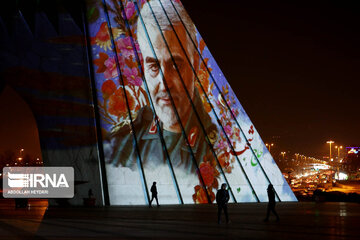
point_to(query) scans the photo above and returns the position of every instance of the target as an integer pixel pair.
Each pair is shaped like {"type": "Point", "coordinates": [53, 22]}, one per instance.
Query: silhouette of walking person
{"type": "Point", "coordinates": [271, 204]}
{"type": "Point", "coordinates": [154, 193]}
{"type": "Point", "coordinates": [222, 198]}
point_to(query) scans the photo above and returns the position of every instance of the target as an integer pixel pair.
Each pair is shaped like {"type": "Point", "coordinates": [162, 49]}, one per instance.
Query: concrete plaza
{"type": "Point", "coordinates": [298, 221]}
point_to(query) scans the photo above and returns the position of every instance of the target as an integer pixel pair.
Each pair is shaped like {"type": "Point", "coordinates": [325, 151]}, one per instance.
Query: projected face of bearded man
{"type": "Point", "coordinates": [156, 78]}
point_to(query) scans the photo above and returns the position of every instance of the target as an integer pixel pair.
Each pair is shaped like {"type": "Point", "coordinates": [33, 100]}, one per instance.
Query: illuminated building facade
{"type": "Point", "coordinates": [135, 97]}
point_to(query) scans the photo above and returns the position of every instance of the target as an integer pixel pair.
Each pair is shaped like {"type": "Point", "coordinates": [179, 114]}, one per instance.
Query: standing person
{"type": "Point", "coordinates": [154, 194]}
{"type": "Point", "coordinates": [222, 198]}
{"type": "Point", "coordinates": [271, 204]}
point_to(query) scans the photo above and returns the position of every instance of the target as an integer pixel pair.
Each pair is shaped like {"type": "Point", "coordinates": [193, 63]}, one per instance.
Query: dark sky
{"type": "Point", "coordinates": [294, 66]}
{"type": "Point", "coordinates": [17, 125]}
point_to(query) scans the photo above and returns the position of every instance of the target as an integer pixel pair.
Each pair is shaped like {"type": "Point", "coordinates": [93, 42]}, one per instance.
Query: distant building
{"type": "Point", "coordinates": [351, 162]}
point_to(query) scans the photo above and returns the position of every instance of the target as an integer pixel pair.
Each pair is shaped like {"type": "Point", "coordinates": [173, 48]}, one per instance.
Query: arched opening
{"type": "Point", "coordinates": [19, 142]}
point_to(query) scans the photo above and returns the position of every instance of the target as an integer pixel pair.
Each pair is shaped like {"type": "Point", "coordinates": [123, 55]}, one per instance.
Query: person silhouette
{"type": "Point", "coordinates": [271, 204]}
{"type": "Point", "coordinates": [90, 193]}
{"type": "Point", "coordinates": [154, 193]}
{"type": "Point", "coordinates": [222, 198]}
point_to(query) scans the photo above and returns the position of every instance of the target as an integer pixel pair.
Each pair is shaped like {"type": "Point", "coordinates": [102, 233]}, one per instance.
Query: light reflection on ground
{"type": "Point", "coordinates": [20, 216]}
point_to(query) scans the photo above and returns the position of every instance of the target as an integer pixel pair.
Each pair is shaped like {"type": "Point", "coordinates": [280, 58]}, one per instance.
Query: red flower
{"type": "Point", "coordinates": [201, 45]}
{"type": "Point", "coordinates": [207, 172]}
{"type": "Point", "coordinates": [102, 37]}
{"type": "Point", "coordinates": [200, 195]}
{"type": "Point", "coordinates": [117, 103]}
{"type": "Point", "coordinates": [211, 195]}
{"type": "Point", "coordinates": [251, 130]}
{"type": "Point", "coordinates": [100, 62]}
{"type": "Point", "coordinates": [108, 88]}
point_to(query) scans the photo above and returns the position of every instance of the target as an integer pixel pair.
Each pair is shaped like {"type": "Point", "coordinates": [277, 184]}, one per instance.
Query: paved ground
{"type": "Point", "coordinates": [298, 221]}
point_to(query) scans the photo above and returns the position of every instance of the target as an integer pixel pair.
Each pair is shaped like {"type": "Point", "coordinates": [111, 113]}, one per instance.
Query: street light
{"type": "Point", "coordinates": [21, 152]}
{"type": "Point", "coordinates": [269, 145]}
{"type": "Point", "coordinates": [338, 148]}
{"type": "Point", "coordinates": [330, 142]}
{"type": "Point", "coordinates": [283, 154]}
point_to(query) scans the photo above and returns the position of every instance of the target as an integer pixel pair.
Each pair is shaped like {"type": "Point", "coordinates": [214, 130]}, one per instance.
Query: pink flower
{"type": "Point", "coordinates": [221, 144]}
{"type": "Point", "coordinates": [132, 76]}
{"type": "Point", "coordinates": [121, 60]}
{"type": "Point", "coordinates": [129, 10]}
{"type": "Point", "coordinates": [228, 129]}
{"type": "Point", "coordinates": [125, 47]}
{"type": "Point", "coordinates": [111, 70]}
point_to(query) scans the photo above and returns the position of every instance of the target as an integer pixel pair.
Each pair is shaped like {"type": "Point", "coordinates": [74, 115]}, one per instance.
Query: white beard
{"type": "Point", "coordinates": [166, 115]}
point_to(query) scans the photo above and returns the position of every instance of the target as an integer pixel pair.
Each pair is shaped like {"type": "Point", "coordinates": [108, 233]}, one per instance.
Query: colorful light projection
{"type": "Point", "coordinates": [167, 112]}
{"type": "Point", "coordinates": [353, 151]}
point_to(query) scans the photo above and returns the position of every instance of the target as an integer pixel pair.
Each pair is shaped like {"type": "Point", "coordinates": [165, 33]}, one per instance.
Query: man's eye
{"type": "Point", "coordinates": [154, 67]}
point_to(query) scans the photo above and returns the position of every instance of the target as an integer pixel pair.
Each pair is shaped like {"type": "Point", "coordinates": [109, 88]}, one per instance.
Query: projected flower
{"type": "Point", "coordinates": [132, 76]}
{"type": "Point", "coordinates": [117, 103]}
{"type": "Point", "coordinates": [125, 47]}
{"type": "Point", "coordinates": [108, 88]}
{"type": "Point", "coordinates": [211, 195]}
{"type": "Point", "coordinates": [102, 37]}
{"type": "Point", "coordinates": [100, 62]}
{"type": "Point", "coordinates": [224, 162]}
{"type": "Point", "coordinates": [228, 129]}
{"type": "Point", "coordinates": [129, 9]}
{"type": "Point", "coordinates": [221, 145]}
{"type": "Point", "coordinates": [200, 195]}
{"type": "Point", "coordinates": [207, 173]}
{"type": "Point", "coordinates": [111, 70]}
{"type": "Point", "coordinates": [108, 65]}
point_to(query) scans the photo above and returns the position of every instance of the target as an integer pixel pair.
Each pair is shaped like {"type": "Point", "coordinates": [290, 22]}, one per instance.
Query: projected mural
{"type": "Point", "coordinates": [167, 112]}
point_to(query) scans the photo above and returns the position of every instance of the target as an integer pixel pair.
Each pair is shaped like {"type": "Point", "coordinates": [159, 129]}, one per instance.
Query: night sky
{"type": "Point", "coordinates": [17, 125]}
{"type": "Point", "coordinates": [294, 67]}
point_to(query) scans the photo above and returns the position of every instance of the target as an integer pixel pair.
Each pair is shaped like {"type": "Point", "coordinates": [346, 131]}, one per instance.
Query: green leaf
{"type": "Point", "coordinates": [252, 163]}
